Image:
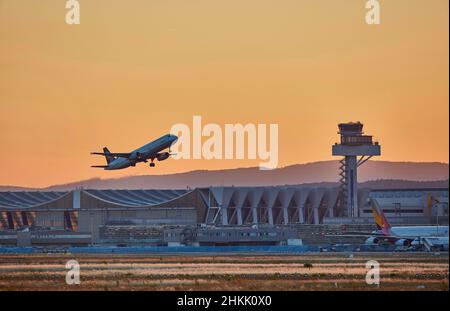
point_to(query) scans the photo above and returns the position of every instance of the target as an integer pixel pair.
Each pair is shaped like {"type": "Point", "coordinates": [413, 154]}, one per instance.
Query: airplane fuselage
{"type": "Point", "coordinates": [410, 233]}
{"type": "Point", "coordinates": [420, 231]}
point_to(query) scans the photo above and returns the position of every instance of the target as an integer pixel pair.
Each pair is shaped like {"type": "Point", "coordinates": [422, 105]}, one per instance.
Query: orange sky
{"type": "Point", "coordinates": [133, 68]}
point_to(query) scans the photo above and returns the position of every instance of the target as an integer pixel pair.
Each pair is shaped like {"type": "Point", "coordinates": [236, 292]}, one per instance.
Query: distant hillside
{"type": "Point", "coordinates": [14, 188]}
{"type": "Point", "coordinates": [374, 174]}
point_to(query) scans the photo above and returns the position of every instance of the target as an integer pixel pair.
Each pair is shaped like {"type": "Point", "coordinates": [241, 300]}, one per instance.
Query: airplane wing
{"type": "Point", "coordinates": [99, 166]}
{"type": "Point", "coordinates": [116, 155]}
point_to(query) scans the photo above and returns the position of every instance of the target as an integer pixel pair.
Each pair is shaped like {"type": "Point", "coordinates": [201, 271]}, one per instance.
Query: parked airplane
{"type": "Point", "coordinates": [405, 235]}
{"type": "Point", "coordinates": [434, 236]}
{"type": "Point", "coordinates": [150, 151]}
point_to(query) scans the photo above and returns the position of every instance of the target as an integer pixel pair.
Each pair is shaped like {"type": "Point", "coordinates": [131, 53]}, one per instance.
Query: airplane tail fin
{"type": "Point", "coordinates": [380, 220]}
{"type": "Point", "coordinates": [108, 157]}
{"type": "Point", "coordinates": [431, 201]}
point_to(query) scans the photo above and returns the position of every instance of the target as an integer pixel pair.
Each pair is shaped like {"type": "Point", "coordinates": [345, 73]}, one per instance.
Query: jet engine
{"type": "Point", "coordinates": [403, 242]}
{"type": "Point", "coordinates": [162, 156]}
{"type": "Point", "coordinates": [373, 240]}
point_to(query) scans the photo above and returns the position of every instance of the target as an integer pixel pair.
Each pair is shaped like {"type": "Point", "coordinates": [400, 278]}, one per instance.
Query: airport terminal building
{"type": "Point", "coordinates": [213, 215]}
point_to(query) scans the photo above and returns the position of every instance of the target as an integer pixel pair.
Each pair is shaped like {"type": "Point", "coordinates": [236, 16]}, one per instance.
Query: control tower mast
{"type": "Point", "coordinates": [353, 144]}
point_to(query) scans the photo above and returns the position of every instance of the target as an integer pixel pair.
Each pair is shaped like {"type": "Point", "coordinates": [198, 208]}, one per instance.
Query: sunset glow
{"type": "Point", "coordinates": [132, 69]}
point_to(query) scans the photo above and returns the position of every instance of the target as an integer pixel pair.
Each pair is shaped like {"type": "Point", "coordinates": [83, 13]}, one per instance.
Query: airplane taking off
{"type": "Point", "coordinates": [150, 151]}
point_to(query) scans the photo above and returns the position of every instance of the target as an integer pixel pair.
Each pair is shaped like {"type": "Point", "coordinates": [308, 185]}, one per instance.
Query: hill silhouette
{"type": "Point", "coordinates": [374, 174]}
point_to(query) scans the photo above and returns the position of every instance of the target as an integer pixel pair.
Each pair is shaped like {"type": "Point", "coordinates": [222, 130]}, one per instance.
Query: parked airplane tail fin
{"type": "Point", "coordinates": [380, 220]}
{"type": "Point", "coordinates": [431, 201]}
{"type": "Point", "coordinates": [109, 158]}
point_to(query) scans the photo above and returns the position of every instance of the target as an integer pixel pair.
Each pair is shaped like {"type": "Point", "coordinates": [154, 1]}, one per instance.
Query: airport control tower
{"type": "Point", "coordinates": [353, 144]}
